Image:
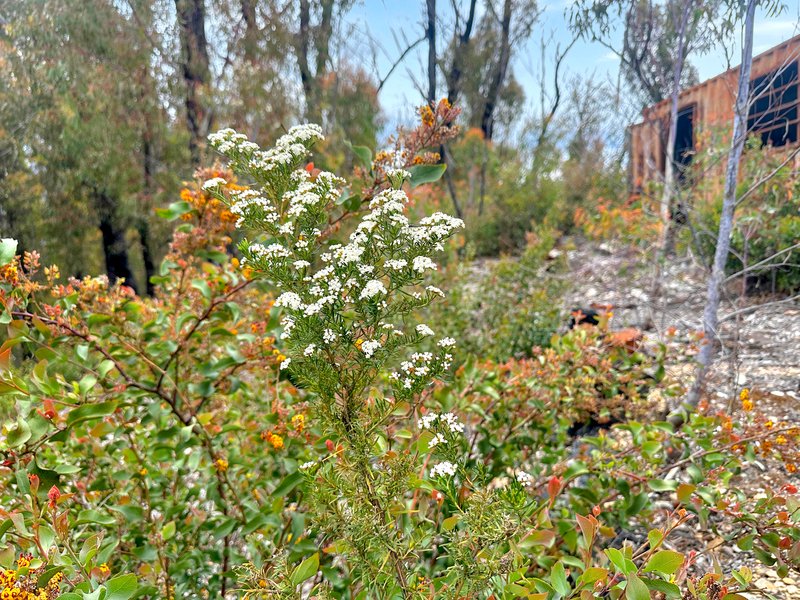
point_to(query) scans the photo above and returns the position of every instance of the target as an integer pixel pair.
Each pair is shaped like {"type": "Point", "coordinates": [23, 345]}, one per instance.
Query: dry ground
{"type": "Point", "coordinates": [762, 352]}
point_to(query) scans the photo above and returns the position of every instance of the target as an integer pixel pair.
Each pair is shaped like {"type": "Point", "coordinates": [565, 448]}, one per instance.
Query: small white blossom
{"type": "Point", "coordinates": [435, 290]}
{"type": "Point", "coordinates": [452, 423]}
{"type": "Point", "coordinates": [396, 264]}
{"type": "Point", "coordinates": [289, 300]}
{"type": "Point", "coordinates": [307, 465]}
{"type": "Point", "coordinates": [424, 330]}
{"type": "Point", "coordinates": [436, 440]}
{"type": "Point", "coordinates": [423, 263]}
{"type": "Point", "coordinates": [214, 183]}
{"type": "Point", "coordinates": [310, 349]}
{"type": "Point", "coordinates": [285, 363]}
{"type": "Point", "coordinates": [329, 336]}
{"type": "Point", "coordinates": [447, 342]}
{"type": "Point", "coordinates": [369, 347]}
{"type": "Point", "coordinates": [372, 288]}
{"type": "Point", "coordinates": [444, 469]}
{"type": "Point", "coordinates": [523, 478]}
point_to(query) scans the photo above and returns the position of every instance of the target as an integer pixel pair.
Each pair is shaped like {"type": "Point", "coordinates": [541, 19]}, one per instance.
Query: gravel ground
{"type": "Point", "coordinates": [761, 351]}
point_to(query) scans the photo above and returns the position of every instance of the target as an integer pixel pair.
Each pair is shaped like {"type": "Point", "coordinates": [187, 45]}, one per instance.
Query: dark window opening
{"type": "Point", "coordinates": [773, 110]}
{"type": "Point", "coordinates": [684, 141]}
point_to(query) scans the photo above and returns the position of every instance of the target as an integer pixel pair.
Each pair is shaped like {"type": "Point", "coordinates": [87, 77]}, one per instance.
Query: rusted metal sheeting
{"type": "Point", "coordinates": [713, 102]}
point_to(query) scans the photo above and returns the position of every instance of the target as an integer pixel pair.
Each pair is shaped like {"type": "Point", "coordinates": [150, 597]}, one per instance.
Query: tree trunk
{"type": "Point", "coordinates": [142, 222]}
{"type": "Point", "coordinates": [456, 71]}
{"type": "Point", "coordinates": [196, 72]}
{"type": "Point", "coordinates": [430, 34]}
{"type": "Point", "coordinates": [499, 75]}
{"type": "Point", "coordinates": [715, 281]}
{"type": "Point", "coordinates": [319, 38]}
{"type": "Point", "coordinates": [115, 247]}
{"type": "Point", "coordinates": [667, 229]}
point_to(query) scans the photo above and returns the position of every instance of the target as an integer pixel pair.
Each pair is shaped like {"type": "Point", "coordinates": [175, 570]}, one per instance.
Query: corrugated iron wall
{"type": "Point", "coordinates": [713, 101]}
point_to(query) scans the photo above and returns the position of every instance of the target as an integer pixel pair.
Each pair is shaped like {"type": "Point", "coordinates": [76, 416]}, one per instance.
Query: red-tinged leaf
{"type": "Point", "coordinates": [588, 527]}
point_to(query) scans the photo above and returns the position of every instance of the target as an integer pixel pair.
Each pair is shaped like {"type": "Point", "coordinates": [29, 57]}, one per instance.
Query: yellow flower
{"type": "Point", "coordinates": [221, 465]}
{"type": "Point", "coordinates": [104, 569]}
{"type": "Point", "coordinates": [747, 403]}
{"type": "Point", "coordinates": [276, 441]}
{"type": "Point", "coordinates": [299, 422]}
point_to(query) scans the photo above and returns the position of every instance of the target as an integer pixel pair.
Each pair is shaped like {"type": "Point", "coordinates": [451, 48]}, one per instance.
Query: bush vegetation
{"type": "Point", "coordinates": [284, 424]}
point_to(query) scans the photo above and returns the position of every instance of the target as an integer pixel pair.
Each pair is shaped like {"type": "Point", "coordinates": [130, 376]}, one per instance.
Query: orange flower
{"type": "Point", "coordinates": [221, 465]}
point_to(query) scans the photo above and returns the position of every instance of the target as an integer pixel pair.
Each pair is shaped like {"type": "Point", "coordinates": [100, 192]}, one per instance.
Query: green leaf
{"type": "Point", "coordinates": [662, 485]}
{"type": "Point", "coordinates": [636, 589]}
{"type": "Point", "coordinates": [619, 561]}
{"type": "Point", "coordinates": [87, 412]}
{"type": "Point", "coordinates": [665, 561]}
{"type": "Point", "coordinates": [174, 210]}
{"type": "Point", "coordinates": [450, 522]}
{"type": "Point", "coordinates": [593, 574]}
{"type": "Point", "coordinates": [363, 154]}
{"type": "Point", "coordinates": [670, 590]}
{"type": "Point", "coordinates": [426, 174]}
{"type": "Point", "coordinates": [94, 516]}
{"type": "Point", "coordinates": [168, 530]}
{"type": "Point", "coordinates": [121, 587]}
{"type": "Point", "coordinates": [19, 435]}
{"type": "Point", "coordinates": [202, 286]}
{"type": "Point", "coordinates": [306, 569]}
{"type": "Point", "coordinates": [289, 482]}
{"type": "Point", "coordinates": [558, 577]}
{"type": "Point", "coordinates": [8, 250]}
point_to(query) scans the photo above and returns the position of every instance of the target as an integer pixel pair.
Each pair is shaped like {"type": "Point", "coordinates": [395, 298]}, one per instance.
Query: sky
{"type": "Point", "coordinates": [379, 23]}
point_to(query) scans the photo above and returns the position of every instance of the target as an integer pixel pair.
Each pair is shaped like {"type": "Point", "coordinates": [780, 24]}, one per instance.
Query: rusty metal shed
{"type": "Point", "coordinates": [773, 113]}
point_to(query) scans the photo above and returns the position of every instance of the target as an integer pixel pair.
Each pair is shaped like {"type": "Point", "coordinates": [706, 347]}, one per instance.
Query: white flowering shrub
{"type": "Point", "coordinates": [348, 337]}
{"type": "Point", "coordinates": [418, 491]}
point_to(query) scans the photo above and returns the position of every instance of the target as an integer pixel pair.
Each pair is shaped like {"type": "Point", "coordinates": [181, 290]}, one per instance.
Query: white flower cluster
{"type": "Point", "coordinates": [271, 254]}
{"type": "Point", "coordinates": [436, 440]}
{"type": "Point", "coordinates": [424, 330]}
{"type": "Point", "coordinates": [435, 290]}
{"type": "Point", "coordinates": [213, 183]}
{"type": "Point", "coordinates": [444, 469]}
{"type": "Point", "coordinates": [400, 174]}
{"type": "Point", "coordinates": [369, 347]}
{"type": "Point", "coordinates": [249, 203]}
{"type": "Point", "coordinates": [420, 366]}
{"type": "Point", "coordinates": [447, 420]}
{"type": "Point", "coordinates": [423, 263]}
{"type": "Point", "coordinates": [525, 479]}
{"type": "Point", "coordinates": [372, 288]}
{"type": "Point", "coordinates": [367, 277]}
{"type": "Point", "coordinates": [288, 150]}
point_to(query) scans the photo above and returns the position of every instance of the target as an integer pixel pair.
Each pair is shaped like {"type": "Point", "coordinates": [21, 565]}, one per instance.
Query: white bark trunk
{"type": "Point", "coordinates": [715, 281]}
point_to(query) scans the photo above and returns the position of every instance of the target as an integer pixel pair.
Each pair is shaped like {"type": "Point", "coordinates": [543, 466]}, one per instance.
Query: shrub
{"type": "Point", "coordinates": [159, 449]}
